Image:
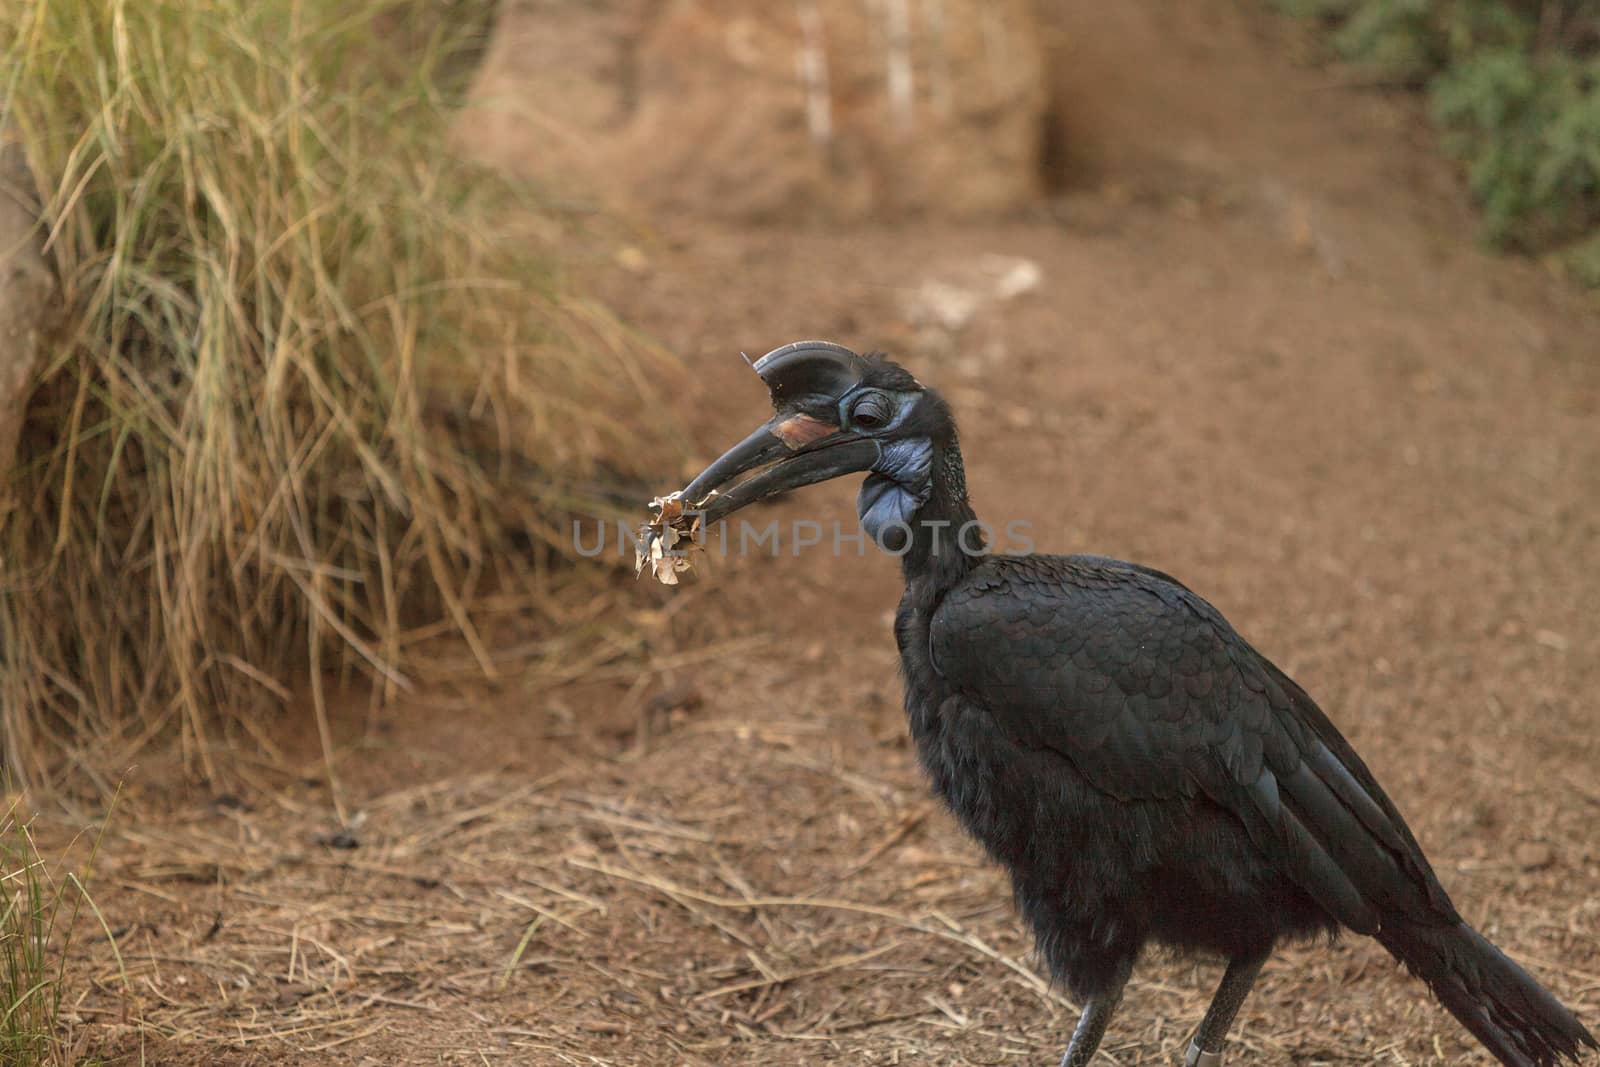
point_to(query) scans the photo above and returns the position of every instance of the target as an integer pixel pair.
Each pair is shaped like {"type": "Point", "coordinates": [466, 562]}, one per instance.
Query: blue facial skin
{"type": "Point", "coordinates": [898, 486]}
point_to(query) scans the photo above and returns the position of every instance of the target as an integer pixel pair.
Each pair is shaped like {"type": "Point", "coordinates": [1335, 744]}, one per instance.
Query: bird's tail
{"type": "Point", "coordinates": [1514, 1016]}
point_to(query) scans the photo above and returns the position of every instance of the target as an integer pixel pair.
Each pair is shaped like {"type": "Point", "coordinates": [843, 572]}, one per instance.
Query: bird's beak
{"type": "Point", "coordinates": [787, 452]}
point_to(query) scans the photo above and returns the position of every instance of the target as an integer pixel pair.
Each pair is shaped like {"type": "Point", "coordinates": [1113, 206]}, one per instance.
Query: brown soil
{"type": "Point", "coordinates": [1265, 356]}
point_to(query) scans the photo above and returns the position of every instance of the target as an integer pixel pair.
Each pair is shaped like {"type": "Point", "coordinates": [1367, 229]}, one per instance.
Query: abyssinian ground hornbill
{"type": "Point", "coordinates": [1142, 772]}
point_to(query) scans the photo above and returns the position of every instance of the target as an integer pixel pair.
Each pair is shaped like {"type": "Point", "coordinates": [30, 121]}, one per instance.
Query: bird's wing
{"type": "Point", "coordinates": [1149, 693]}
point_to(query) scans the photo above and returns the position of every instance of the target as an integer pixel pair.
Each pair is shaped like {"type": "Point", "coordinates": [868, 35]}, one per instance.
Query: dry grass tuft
{"type": "Point", "coordinates": [319, 384]}
{"type": "Point", "coordinates": [40, 902]}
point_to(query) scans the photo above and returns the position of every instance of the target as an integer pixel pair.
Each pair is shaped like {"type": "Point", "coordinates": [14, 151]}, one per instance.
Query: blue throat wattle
{"type": "Point", "coordinates": [900, 483]}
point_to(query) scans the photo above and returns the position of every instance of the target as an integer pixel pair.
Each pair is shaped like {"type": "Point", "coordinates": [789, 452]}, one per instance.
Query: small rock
{"type": "Point", "coordinates": [1015, 275]}
{"type": "Point", "coordinates": [293, 993]}
{"type": "Point", "coordinates": [952, 297]}
{"type": "Point", "coordinates": [1534, 856]}
{"type": "Point", "coordinates": [1551, 639]}
{"type": "Point", "coordinates": [344, 840]}
{"type": "Point", "coordinates": [1020, 418]}
{"type": "Point", "coordinates": [685, 696]}
{"type": "Point", "coordinates": [632, 259]}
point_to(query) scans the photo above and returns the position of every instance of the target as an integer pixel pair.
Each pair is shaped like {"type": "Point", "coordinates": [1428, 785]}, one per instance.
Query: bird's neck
{"type": "Point", "coordinates": [946, 538]}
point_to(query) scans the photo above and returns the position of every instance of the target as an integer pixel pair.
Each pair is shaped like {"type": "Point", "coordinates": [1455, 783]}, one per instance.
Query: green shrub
{"type": "Point", "coordinates": [1529, 133]}
{"type": "Point", "coordinates": [1514, 86]}
{"type": "Point", "coordinates": [1393, 38]}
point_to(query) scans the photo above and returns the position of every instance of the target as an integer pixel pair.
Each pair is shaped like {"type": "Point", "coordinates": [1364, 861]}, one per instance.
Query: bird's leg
{"type": "Point", "coordinates": [1097, 1012]}
{"type": "Point", "coordinates": [1206, 1048]}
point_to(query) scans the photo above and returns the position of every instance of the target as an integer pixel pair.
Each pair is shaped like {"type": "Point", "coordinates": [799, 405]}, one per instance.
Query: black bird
{"type": "Point", "coordinates": [1142, 772]}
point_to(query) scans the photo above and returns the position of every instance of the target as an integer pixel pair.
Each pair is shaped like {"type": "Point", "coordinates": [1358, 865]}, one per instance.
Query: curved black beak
{"type": "Point", "coordinates": [787, 452]}
{"type": "Point", "coordinates": [793, 448]}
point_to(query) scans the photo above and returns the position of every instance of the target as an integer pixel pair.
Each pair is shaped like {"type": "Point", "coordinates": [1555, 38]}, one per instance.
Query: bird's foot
{"type": "Point", "coordinates": [1199, 1057]}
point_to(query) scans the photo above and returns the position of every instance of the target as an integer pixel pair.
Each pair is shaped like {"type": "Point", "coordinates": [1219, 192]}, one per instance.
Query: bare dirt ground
{"type": "Point", "coordinates": [1264, 355]}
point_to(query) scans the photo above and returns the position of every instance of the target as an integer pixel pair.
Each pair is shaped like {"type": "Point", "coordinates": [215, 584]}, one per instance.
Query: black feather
{"type": "Point", "coordinates": [1141, 771]}
{"type": "Point", "coordinates": [1146, 775]}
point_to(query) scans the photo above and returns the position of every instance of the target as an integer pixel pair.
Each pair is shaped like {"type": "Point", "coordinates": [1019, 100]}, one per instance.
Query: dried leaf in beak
{"type": "Point", "coordinates": [661, 535]}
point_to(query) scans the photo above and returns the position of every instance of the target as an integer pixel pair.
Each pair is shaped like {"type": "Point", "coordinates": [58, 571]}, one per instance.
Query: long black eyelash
{"type": "Point", "coordinates": [874, 420]}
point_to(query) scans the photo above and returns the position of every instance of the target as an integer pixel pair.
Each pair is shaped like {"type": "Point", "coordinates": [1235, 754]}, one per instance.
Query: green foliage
{"type": "Point", "coordinates": [1530, 136]}
{"type": "Point", "coordinates": [1583, 261]}
{"type": "Point", "coordinates": [1515, 88]}
{"type": "Point", "coordinates": [1391, 37]}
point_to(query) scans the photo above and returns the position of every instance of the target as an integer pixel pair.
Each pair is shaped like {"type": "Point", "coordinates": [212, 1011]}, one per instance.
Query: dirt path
{"type": "Point", "coordinates": [1264, 355]}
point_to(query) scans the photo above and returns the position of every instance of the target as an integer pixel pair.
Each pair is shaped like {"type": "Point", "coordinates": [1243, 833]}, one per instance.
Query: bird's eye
{"type": "Point", "coordinates": [872, 412]}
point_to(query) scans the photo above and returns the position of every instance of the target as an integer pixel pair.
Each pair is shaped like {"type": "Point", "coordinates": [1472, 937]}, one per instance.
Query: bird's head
{"type": "Point", "coordinates": [836, 413]}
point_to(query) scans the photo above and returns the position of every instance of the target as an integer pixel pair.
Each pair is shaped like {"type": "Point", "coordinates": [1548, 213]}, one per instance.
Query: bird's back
{"type": "Point", "coordinates": [1136, 764]}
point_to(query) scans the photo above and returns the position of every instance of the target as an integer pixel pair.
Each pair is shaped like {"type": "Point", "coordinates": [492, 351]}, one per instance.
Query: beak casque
{"type": "Point", "coordinates": [796, 448]}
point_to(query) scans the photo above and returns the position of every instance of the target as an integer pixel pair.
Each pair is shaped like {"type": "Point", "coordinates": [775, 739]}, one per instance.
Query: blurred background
{"type": "Point", "coordinates": [323, 323]}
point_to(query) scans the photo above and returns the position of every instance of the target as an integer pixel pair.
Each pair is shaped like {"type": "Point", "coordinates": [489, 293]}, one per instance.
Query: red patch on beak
{"type": "Point", "coordinates": [799, 430]}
